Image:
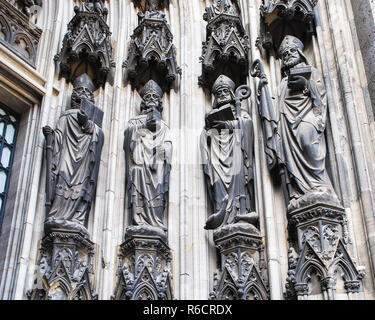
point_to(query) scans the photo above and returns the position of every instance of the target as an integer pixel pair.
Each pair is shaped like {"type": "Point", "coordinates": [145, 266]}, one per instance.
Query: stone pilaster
{"type": "Point", "coordinates": [65, 268]}
{"type": "Point", "coordinates": [144, 271]}
{"type": "Point", "coordinates": [241, 274]}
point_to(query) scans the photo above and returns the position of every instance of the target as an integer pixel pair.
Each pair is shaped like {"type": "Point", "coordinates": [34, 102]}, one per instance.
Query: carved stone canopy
{"type": "Point", "coordinates": [152, 54]}
{"type": "Point", "coordinates": [87, 45]}
{"type": "Point", "coordinates": [151, 5]}
{"type": "Point", "coordinates": [282, 17]}
{"type": "Point", "coordinates": [17, 33]}
{"type": "Point", "coordinates": [226, 49]}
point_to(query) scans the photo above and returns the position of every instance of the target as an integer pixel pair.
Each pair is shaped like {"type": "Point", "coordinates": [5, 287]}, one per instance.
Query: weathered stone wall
{"type": "Point", "coordinates": [349, 135]}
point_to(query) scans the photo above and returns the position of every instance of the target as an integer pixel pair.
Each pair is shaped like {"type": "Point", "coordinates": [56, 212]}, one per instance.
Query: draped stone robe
{"type": "Point", "coordinates": [148, 164]}
{"type": "Point", "coordinates": [300, 140]}
{"type": "Point", "coordinates": [228, 168]}
{"type": "Point", "coordinates": [75, 166]}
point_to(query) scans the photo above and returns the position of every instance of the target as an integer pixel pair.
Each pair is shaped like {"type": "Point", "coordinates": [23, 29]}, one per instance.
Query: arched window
{"type": "Point", "coordinates": [8, 136]}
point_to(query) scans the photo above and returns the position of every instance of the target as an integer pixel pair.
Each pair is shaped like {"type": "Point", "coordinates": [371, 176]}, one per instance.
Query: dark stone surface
{"type": "Point", "coordinates": [227, 144]}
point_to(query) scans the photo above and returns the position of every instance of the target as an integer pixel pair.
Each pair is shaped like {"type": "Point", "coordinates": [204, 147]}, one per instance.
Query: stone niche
{"type": "Point", "coordinates": [152, 54]}
{"type": "Point", "coordinates": [87, 45]}
{"type": "Point", "coordinates": [285, 17]}
{"type": "Point", "coordinates": [226, 49]}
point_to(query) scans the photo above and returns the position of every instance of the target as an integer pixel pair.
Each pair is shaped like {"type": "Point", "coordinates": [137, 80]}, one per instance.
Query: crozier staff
{"type": "Point", "coordinates": [294, 128]}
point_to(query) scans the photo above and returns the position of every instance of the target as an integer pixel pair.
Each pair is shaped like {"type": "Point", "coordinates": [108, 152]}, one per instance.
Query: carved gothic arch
{"type": "Point", "coordinates": [6, 29]}
{"type": "Point", "coordinates": [147, 288]}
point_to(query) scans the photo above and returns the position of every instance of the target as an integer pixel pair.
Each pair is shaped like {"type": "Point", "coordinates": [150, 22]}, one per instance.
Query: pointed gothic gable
{"type": "Point", "coordinates": [152, 54]}
{"type": "Point", "coordinates": [87, 46]}
{"type": "Point", "coordinates": [226, 49]}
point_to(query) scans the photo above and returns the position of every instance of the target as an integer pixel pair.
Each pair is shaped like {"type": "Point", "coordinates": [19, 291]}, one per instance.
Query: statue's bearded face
{"type": "Point", "coordinates": [151, 100]}
{"type": "Point", "coordinates": [291, 57]}
{"type": "Point", "coordinates": [79, 94]}
{"type": "Point", "coordinates": [223, 96]}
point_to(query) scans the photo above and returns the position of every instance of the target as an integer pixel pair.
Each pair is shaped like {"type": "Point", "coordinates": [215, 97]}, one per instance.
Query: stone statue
{"type": "Point", "coordinates": [227, 151]}
{"type": "Point", "coordinates": [73, 157]}
{"type": "Point", "coordinates": [294, 130]}
{"type": "Point", "coordinates": [148, 153]}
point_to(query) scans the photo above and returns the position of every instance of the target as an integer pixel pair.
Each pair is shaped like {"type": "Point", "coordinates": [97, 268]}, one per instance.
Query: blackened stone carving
{"type": "Point", "coordinates": [294, 130]}
{"type": "Point", "coordinates": [26, 6]}
{"type": "Point", "coordinates": [295, 147]}
{"type": "Point", "coordinates": [87, 45]}
{"type": "Point", "coordinates": [227, 152]}
{"type": "Point", "coordinates": [148, 152]}
{"type": "Point", "coordinates": [285, 17]}
{"type": "Point", "coordinates": [65, 269]}
{"type": "Point", "coordinates": [241, 275]}
{"type": "Point", "coordinates": [17, 33]}
{"type": "Point", "coordinates": [151, 5]}
{"type": "Point", "coordinates": [145, 259]}
{"type": "Point", "coordinates": [152, 54]}
{"type": "Point", "coordinates": [144, 271]}
{"type": "Point", "coordinates": [72, 160]}
{"type": "Point", "coordinates": [226, 49]}
{"type": "Point", "coordinates": [319, 250]}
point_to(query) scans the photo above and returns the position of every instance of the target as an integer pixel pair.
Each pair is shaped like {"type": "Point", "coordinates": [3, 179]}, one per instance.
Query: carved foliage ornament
{"type": "Point", "coordinates": [282, 17]}
{"type": "Point", "coordinates": [144, 271]}
{"type": "Point", "coordinates": [17, 33]}
{"type": "Point", "coordinates": [87, 44]}
{"type": "Point", "coordinates": [65, 268]}
{"type": "Point", "coordinates": [242, 274]}
{"type": "Point", "coordinates": [152, 54]}
{"type": "Point", "coordinates": [321, 259]}
{"type": "Point", "coordinates": [226, 48]}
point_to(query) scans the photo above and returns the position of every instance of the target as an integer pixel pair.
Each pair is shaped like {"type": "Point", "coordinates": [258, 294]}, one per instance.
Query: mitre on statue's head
{"type": "Point", "coordinates": [84, 81]}
{"type": "Point", "coordinates": [290, 42]}
{"type": "Point", "coordinates": [223, 81]}
{"type": "Point", "coordinates": [151, 86]}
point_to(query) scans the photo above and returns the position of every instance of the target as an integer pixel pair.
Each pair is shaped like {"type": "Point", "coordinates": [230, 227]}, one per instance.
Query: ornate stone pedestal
{"type": "Point", "coordinates": [318, 257]}
{"type": "Point", "coordinates": [144, 271]}
{"type": "Point", "coordinates": [65, 268]}
{"type": "Point", "coordinates": [241, 276]}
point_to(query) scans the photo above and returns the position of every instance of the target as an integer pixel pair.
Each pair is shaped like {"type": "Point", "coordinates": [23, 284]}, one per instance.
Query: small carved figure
{"type": "Point", "coordinates": [294, 130]}
{"type": "Point", "coordinates": [73, 158]}
{"type": "Point", "coordinates": [227, 151]}
{"type": "Point", "coordinates": [148, 152]}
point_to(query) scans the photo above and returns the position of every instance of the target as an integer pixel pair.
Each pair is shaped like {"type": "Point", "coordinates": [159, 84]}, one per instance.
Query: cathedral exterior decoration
{"type": "Point", "coordinates": [134, 181]}
{"type": "Point", "coordinates": [87, 44]}
{"type": "Point", "coordinates": [226, 49]}
{"type": "Point", "coordinates": [152, 54]}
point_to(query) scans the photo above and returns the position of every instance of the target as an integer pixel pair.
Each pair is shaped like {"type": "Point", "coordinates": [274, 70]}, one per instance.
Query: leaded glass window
{"type": "Point", "coordinates": [8, 136]}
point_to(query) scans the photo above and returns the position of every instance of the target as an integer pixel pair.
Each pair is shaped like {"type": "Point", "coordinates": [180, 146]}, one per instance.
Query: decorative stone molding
{"type": "Point", "coordinates": [144, 271]}
{"type": "Point", "coordinates": [87, 45]}
{"type": "Point", "coordinates": [317, 233]}
{"type": "Point", "coordinates": [241, 276]}
{"type": "Point", "coordinates": [151, 5]}
{"type": "Point", "coordinates": [152, 54]}
{"type": "Point", "coordinates": [282, 17]}
{"type": "Point", "coordinates": [65, 268]}
{"type": "Point", "coordinates": [26, 6]}
{"type": "Point", "coordinates": [17, 33]}
{"type": "Point", "coordinates": [226, 49]}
